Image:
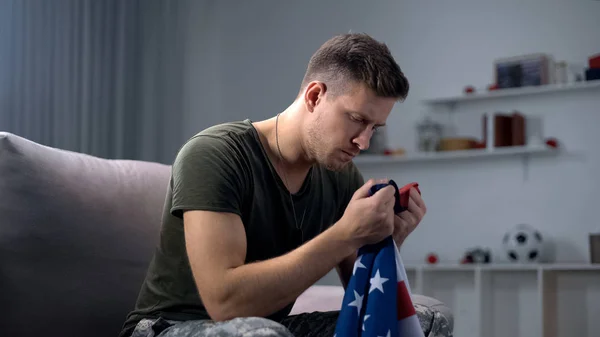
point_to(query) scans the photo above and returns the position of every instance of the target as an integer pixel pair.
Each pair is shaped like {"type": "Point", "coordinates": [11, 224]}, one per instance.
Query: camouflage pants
{"type": "Point", "coordinates": [436, 321]}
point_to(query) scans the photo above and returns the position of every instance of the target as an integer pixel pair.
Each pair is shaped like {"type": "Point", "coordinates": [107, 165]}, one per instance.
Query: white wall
{"type": "Point", "coordinates": [248, 58]}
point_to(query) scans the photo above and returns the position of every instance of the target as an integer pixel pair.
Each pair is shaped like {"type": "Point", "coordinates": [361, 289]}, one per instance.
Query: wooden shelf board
{"type": "Point", "coordinates": [449, 155]}
{"type": "Point", "coordinates": [515, 92]}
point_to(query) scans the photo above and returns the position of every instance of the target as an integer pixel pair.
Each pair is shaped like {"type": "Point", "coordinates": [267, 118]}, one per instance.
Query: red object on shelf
{"type": "Point", "coordinates": [492, 87]}
{"type": "Point", "coordinates": [432, 258]}
{"type": "Point", "coordinates": [469, 89]}
{"type": "Point", "coordinates": [552, 142]}
{"type": "Point", "coordinates": [594, 61]}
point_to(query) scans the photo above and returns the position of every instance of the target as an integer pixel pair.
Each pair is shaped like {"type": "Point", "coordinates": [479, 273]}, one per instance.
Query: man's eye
{"type": "Point", "coordinates": [356, 119]}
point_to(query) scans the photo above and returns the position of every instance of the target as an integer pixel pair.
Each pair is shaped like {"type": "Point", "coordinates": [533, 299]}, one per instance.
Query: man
{"type": "Point", "coordinates": [257, 212]}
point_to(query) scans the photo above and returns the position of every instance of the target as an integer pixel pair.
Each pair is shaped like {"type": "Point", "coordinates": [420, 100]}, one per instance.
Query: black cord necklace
{"type": "Point", "coordinates": [299, 227]}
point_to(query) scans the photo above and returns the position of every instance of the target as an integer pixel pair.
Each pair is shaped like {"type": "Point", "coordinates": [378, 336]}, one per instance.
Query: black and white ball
{"type": "Point", "coordinates": [523, 244]}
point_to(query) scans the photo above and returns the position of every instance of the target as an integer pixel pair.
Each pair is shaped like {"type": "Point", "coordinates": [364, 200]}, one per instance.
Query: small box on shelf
{"type": "Point", "coordinates": [504, 129]}
{"type": "Point", "coordinates": [595, 248]}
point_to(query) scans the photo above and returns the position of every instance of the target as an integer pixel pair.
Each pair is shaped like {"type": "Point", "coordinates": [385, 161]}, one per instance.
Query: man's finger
{"type": "Point", "coordinates": [416, 197]}
{"type": "Point", "coordinates": [385, 195]}
{"type": "Point", "coordinates": [410, 220]}
{"type": "Point", "coordinates": [389, 204]}
{"type": "Point", "coordinates": [363, 191]}
{"type": "Point", "coordinates": [415, 210]}
{"type": "Point", "coordinates": [399, 223]}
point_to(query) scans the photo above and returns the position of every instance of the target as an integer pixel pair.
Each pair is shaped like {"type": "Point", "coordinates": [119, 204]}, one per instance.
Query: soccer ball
{"type": "Point", "coordinates": [523, 244]}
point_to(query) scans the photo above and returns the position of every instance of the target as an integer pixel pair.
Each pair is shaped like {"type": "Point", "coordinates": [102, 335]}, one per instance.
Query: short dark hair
{"type": "Point", "coordinates": [357, 57]}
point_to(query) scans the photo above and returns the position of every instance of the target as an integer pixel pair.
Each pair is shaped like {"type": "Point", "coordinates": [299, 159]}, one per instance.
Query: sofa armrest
{"type": "Point", "coordinates": [436, 317]}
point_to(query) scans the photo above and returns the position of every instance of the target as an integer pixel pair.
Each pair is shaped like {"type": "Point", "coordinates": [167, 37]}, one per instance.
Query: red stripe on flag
{"type": "Point", "coordinates": [404, 303]}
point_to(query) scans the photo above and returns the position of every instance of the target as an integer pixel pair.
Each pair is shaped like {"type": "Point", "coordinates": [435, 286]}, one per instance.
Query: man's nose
{"type": "Point", "coordinates": [363, 139]}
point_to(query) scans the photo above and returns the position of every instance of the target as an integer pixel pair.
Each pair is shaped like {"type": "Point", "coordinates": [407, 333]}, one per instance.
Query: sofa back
{"type": "Point", "coordinates": [76, 235]}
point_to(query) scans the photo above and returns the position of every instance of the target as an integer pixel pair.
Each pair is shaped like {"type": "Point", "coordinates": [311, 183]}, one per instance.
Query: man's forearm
{"type": "Point", "coordinates": [345, 269]}
{"type": "Point", "coordinates": [262, 288]}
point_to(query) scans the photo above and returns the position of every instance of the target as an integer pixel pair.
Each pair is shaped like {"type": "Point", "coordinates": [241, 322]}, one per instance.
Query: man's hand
{"type": "Point", "coordinates": [369, 219]}
{"type": "Point", "coordinates": [366, 220]}
{"type": "Point", "coordinates": [406, 222]}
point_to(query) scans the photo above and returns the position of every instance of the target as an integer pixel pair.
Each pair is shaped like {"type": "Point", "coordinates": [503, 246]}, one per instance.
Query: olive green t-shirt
{"type": "Point", "coordinates": [225, 168]}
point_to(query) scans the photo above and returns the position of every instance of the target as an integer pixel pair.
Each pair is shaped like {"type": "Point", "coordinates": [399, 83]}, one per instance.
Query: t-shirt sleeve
{"type": "Point", "coordinates": [207, 175]}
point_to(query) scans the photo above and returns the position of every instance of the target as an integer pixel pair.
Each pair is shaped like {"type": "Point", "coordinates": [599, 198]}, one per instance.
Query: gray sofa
{"type": "Point", "coordinates": [76, 235]}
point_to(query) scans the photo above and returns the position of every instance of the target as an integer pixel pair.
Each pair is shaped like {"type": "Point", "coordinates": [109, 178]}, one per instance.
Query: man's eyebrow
{"type": "Point", "coordinates": [365, 118]}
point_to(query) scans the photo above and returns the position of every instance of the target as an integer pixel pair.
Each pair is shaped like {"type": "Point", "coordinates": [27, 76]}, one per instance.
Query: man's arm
{"type": "Point", "coordinates": [216, 246]}
{"type": "Point", "coordinates": [346, 266]}
{"type": "Point", "coordinates": [345, 269]}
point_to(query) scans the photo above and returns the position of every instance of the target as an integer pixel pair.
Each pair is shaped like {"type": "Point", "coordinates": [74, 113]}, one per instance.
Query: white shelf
{"type": "Point", "coordinates": [515, 92]}
{"type": "Point", "coordinates": [520, 300]}
{"type": "Point", "coordinates": [505, 267]}
{"type": "Point", "coordinates": [450, 155]}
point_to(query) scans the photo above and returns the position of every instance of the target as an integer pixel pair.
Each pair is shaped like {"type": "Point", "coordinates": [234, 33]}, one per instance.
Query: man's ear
{"type": "Point", "coordinates": [314, 94]}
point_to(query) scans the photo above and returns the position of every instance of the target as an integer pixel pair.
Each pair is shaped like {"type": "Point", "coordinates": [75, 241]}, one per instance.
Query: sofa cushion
{"type": "Point", "coordinates": [76, 235]}
{"type": "Point", "coordinates": [435, 317]}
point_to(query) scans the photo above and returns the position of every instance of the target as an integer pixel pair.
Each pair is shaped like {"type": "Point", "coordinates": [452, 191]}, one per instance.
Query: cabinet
{"type": "Point", "coordinates": [537, 300]}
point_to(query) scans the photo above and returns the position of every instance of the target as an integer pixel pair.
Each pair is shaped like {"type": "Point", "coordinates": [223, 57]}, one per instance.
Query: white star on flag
{"type": "Point", "coordinates": [358, 264]}
{"type": "Point", "coordinates": [377, 282]}
{"type": "Point", "coordinates": [358, 301]}
{"type": "Point", "coordinates": [388, 334]}
{"type": "Point", "coordinates": [366, 318]}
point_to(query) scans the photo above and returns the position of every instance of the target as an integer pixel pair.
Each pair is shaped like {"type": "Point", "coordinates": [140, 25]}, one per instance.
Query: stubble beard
{"type": "Point", "coordinates": [316, 148]}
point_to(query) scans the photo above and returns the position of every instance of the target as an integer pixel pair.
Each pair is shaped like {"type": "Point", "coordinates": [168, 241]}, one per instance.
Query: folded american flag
{"type": "Point", "coordinates": [377, 301]}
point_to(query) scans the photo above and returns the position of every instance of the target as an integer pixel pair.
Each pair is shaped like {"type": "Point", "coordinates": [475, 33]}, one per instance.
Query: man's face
{"type": "Point", "coordinates": [341, 126]}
